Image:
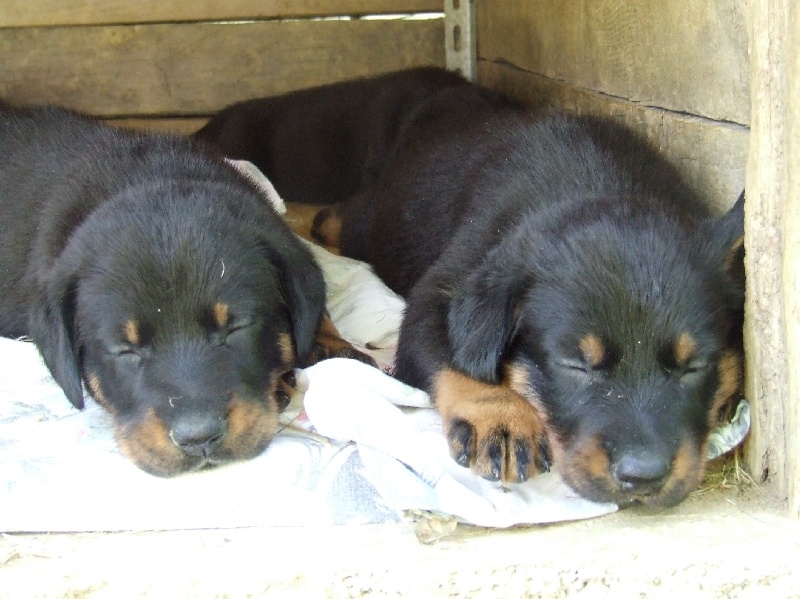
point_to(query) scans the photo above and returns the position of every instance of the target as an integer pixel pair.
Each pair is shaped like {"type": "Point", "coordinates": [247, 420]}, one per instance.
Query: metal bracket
{"type": "Point", "coordinates": [460, 47]}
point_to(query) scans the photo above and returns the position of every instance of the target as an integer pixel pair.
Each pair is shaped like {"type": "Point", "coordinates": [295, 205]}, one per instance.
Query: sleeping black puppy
{"type": "Point", "coordinates": [158, 276]}
{"type": "Point", "coordinates": [324, 144]}
{"type": "Point", "coordinates": [569, 297]}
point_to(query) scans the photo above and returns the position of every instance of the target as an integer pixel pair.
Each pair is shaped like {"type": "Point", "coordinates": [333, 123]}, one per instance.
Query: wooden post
{"type": "Point", "coordinates": [772, 245]}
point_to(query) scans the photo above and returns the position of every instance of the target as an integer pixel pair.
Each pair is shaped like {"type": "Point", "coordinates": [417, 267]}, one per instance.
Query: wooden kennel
{"type": "Point", "coordinates": [716, 83]}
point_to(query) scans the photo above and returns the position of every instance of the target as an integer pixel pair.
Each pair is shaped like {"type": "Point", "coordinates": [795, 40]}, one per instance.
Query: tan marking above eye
{"type": "Point", "coordinates": [221, 314]}
{"type": "Point", "coordinates": [131, 331]}
{"type": "Point", "coordinates": [593, 350]}
{"type": "Point", "coordinates": [684, 348]}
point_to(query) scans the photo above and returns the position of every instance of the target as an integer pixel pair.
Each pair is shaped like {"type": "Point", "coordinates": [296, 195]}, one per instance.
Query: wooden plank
{"type": "Point", "coordinates": [791, 264]}
{"type": "Point", "coordinates": [711, 155]}
{"type": "Point", "coordinates": [195, 69]}
{"type": "Point", "coordinates": [27, 13]}
{"type": "Point", "coordinates": [772, 243]}
{"type": "Point", "coordinates": [682, 55]}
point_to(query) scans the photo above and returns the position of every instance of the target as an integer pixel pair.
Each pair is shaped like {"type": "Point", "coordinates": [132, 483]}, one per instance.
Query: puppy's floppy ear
{"type": "Point", "coordinates": [51, 321]}
{"type": "Point", "coordinates": [303, 289]}
{"type": "Point", "coordinates": [482, 319]}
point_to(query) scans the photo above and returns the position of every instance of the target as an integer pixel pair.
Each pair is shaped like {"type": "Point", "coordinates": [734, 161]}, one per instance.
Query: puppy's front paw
{"type": "Point", "coordinates": [491, 428]}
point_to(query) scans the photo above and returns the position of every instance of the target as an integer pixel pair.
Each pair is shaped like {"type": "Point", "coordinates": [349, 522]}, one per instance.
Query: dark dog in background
{"type": "Point", "coordinates": [156, 274]}
{"type": "Point", "coordinates": [348, 132]}
{"type": "Point", "coordinates": [569, 297]}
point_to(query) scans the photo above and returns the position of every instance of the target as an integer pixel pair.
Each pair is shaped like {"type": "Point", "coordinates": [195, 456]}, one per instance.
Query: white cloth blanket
{"type": "Point", "coordinates": [356, 446]}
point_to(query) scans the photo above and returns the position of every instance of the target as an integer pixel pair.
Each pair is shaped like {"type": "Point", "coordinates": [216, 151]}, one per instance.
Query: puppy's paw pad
{"type": "Point", "coordinates": [499, 440]}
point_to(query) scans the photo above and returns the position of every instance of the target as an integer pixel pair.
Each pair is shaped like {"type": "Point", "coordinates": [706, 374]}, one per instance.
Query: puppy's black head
{"type": "Point", "coordinates": [624, 331]}
{"type": "Point", "coordinates": [181, 317]}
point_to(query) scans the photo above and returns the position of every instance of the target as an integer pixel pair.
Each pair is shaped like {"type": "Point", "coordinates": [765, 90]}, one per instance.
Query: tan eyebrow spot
{"type": "Point", "coordinates": [221, 314]}
{"type": "Point", "coordinates": [684, 348]}
{"type": "Point", "coordinates": [131, 331]}
{"type": "Point", "coordinates": [593, 350]}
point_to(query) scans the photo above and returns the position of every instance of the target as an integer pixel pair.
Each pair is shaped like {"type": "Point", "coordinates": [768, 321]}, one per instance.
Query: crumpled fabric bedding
{"type": "Point", "coordinates": [356, 446]}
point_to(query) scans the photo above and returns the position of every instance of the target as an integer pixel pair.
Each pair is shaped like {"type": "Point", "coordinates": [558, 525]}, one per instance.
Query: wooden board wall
{"type": "Point", "coordinates": [772, 246]}
{"type": "Point", "coordinates": [678, 70]}
{"type": "Point", "coordinates": [33, 13]}
{"type": "Point", "coordinates": [178, 62]}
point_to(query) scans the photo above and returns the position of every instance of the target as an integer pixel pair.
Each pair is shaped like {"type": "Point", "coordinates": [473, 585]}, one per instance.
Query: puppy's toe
{"type": "Point", "coordinates": [508, 456]}
{"type": "Point", "coordinates": [492, 430]}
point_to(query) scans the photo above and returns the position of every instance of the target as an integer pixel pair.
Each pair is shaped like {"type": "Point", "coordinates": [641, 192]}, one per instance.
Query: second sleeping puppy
{"type": "Point", "coordinates": [569, 297]}
{"type": "Point", "coordinates": [347, 132]}
{"type": "Point", "coordinates": [158, 276]}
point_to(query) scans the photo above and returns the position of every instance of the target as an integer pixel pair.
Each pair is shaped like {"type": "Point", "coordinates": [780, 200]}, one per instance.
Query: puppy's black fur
{"type": "Point", "coordinates": [158, 276]}
{"type": "Point", "coordinates": [569, 297]}
{"type": "Point", "coordinates": [346, 132]}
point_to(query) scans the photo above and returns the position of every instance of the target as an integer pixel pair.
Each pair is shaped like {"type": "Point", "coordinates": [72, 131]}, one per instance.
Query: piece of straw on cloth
{"type": "Point", "coordinates": [356, 446]}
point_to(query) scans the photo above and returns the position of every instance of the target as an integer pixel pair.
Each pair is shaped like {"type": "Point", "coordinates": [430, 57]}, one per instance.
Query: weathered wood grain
{"type": "Point", "coordinates": [22, 13]}
{"type": "Point", "coordinates": [772, 249]}
{"type": "Point", "coordinates": [686, 56]}
{"type": "Point", "coordinates": [711, 155]}
{"type": "Point", "coordinates": [193, 69]}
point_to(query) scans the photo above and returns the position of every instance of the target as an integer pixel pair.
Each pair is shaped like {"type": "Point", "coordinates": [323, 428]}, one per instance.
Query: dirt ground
{"type": "Point", "coordinates": [725, 541]}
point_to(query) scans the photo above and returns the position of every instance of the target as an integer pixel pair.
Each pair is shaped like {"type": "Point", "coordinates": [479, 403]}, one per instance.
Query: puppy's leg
{"type": "Point", "coordinates": [329, 344]}
{"type": "Point", "coordinates": [494, 429]}
{"type": "Point", "coordinates": [346, 226]}
{"type": "Point", "coordinates": [327, 227]}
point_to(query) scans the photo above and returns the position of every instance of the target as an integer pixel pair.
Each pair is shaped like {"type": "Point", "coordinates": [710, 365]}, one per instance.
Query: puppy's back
{"type": "Point", "coordinates": [323, 144]}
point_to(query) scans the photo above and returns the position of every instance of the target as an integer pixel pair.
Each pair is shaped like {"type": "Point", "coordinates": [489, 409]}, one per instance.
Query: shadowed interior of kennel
{"type": "Point", "coordinates": [715, 84]}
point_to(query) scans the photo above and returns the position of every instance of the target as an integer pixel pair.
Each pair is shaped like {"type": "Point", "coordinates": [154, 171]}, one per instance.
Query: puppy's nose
{"type": "Point", "coordinates": [641, 472]}
{"type": "Point", "coordinates": [198, 435]}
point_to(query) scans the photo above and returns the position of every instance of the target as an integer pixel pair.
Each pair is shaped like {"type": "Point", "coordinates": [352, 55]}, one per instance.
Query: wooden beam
{"type": "Point", "coordinates": [770, 223]}
{"type": "Point", "coordinates": [27, 13]}
{"type": "Point", "coordinates": [194, 69]}
{"type": "Point", "coordinates": [710, 154]}
{"type": "Point", "coordinates": [772, 246]}
{"type": "Point", "coordinates": [681, 55]}
{"type": "Point", "coordinates": [791, 264]}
